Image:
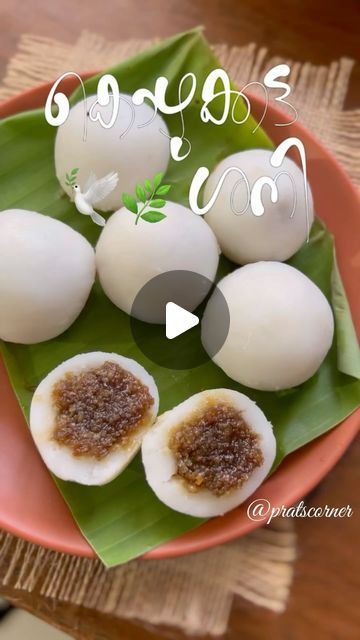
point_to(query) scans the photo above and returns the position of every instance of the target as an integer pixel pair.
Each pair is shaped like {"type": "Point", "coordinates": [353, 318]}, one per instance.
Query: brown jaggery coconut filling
{"type": "Point", "coordinates": [215, 450]}
{"type": "Point", "coordinates": [99, 409]}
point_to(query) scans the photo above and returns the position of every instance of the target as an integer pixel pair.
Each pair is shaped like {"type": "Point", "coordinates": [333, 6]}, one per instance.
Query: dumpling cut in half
{"type": "Point", "coordinates": [210, 453]}
{"type": "Point", "coordinates": [89, 415]}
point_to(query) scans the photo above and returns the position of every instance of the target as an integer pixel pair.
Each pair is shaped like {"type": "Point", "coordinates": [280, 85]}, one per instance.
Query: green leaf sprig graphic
{"type": "Point", "coordinates": [146, 194]}
{"type": "Point", "coordinates": [70, 178]}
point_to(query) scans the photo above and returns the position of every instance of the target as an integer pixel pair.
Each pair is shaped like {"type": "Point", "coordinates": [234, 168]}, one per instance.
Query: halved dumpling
{"type": "Point", "coordinates": [89, 415]}
{"type": "Point", "coordinates": [210, 453]}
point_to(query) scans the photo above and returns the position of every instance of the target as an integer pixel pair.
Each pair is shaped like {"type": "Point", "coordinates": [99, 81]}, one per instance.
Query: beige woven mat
{"type": "Point", "coordinates": [193, 593]}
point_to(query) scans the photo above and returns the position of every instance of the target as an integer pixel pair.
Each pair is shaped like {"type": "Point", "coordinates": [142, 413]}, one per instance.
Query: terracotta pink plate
{"type": "Point", "coordinates": [31, 506]}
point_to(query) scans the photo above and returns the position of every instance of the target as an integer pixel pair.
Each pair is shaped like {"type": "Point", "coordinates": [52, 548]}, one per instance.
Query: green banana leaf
{"type": "Point", "coordinates": [124, 519]}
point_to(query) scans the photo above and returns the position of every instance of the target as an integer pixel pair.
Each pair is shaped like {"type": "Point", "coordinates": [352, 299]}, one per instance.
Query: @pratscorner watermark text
{"type": "Point", "coordinates": [260, 510]}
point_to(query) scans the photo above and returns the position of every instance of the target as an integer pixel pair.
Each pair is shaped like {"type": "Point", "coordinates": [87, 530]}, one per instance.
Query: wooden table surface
{"type": "Point", "coordinates": [324, 601]}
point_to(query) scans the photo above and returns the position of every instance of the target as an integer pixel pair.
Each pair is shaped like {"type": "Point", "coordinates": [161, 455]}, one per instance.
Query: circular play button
{"type": "Point", "coordinates": [166, 319]}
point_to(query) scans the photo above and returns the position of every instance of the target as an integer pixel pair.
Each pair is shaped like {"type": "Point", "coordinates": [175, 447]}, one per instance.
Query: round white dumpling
{"type": "Point", "coordinates": [280, 231]}
{"type": "Point", "coordinates": [209, 454]}
{"type": "Point", "coordinates": [129, 255]}
{"type": "Point", "coordinates": [135, 152]}
{"type": "Point", "coordinates": [89, 415]}
{"type": "Point", "coordinates": [46, 273]}
{"type": "Point", "coordinates": [281, 326]}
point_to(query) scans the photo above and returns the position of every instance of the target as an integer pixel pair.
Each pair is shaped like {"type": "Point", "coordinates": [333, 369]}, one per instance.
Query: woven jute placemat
{"type": "Point", "coordinates": [194, 593]}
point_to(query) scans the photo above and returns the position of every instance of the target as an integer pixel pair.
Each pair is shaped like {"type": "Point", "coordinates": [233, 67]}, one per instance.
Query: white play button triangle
{"type": "Point", "coordinates": [178, 320]}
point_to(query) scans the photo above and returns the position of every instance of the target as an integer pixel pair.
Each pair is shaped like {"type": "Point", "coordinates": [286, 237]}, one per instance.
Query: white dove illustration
{"type": "Point", "coordinates": [95, 190]}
